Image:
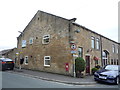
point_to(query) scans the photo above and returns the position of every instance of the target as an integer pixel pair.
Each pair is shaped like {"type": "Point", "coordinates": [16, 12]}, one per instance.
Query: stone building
{"type": "Point", "coordinates": [50, 43]}
{"type": "Point", "coordinates": [9, 53]}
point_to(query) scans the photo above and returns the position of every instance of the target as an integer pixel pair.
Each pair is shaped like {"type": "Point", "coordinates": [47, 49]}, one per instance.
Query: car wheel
{"type": "Point", "coordinates": [11, 68]}
{"type": "Point", "coordinates": [3, 69]}
{"type": "Point", "coordinates": [117, 80]}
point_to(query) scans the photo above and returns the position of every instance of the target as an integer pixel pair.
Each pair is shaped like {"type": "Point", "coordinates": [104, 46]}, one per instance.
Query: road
{"type": "Point", "coordinates": [12, 80]}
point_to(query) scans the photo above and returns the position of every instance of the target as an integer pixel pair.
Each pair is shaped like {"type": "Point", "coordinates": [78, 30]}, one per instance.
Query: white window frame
{"type": "Point", "coordinates": [31, 40]}
{"type": "Point", "coordinates": [98, 44]}
{"type": "Point", "coordinates": [44, 38]}
{"type": "Point", "coordinates": [117, 50]}
{"type": "Point", "coordinates": [113, 48]}
{"type": "Point", "coordinates": [46, 60]}
{"type": "Point", "coordinates": [24, 43]}
{"type": "Point", "coordinates": [80, 52]}
{"type": "Point", "coordinates": [26, 60]}
{"type": "Point", "coordinates": [93, 42]}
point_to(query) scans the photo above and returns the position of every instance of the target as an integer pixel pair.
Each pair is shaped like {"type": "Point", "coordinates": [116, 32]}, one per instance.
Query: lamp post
{"type": "Point", "coordinates": [20, 53]}
{"type": "Point", "coordinates": [74, 56]}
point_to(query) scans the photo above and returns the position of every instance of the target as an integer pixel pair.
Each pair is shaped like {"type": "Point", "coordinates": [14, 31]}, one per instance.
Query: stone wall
{"type": "Point", "coordinates": [61, 32]}
{"type": "Point", "coordinates": [58, 47]}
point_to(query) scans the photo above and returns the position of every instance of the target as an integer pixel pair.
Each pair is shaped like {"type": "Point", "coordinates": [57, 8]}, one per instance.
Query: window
{"type": "Point", "coordinates": [97, 44]}
{"type": "Point", "coordinates": [31, 41]}
{"type": "Point", "coordinates": [23, 43]}
{"type": "Point", "coordinates": [117, 62]}
{"type": "Point", "coordinates": [80, 52]}
{"type": "Point", "coordinates": [114, 61]}
{"type": "Point", "coordinates": [113, 48]}
{"type": "Point", "coordinates": [46, 60]}
{"type": "Point", "coordinates": [93, 42]}
{"type": "Point", "coordinates": [46, 39]}
{"type": "Point", "coordinates": [111, 61]}
{"type": "Point", "coordinates": [26, 60]}
{"type": "Point", "coordinates": [105, 55]}
{"type": "Point", "coordinates": [117, 51]}
{"type": "Point", "coordinates": [96, 62]}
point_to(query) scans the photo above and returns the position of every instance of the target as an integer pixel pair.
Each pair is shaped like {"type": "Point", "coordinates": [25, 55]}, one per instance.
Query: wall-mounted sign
{"type": "Point", "coordinates": [17, 53]}
{"type": "Point", "coordinates": [75, 55]}
{"type": "Point", "coordinates": [73, 46]}
{"type": "Point", "coordinates": [73, 51]}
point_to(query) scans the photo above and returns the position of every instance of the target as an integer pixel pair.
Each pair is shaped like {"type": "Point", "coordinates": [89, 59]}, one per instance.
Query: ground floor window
{"type": "Point", "coordinates": [80, 52]}
{"type": "Point", "coordinates": [105, 55]}
{"type": "Point", "coordinates": [47, 60]}
{"type": "Point", "coordinates": [117, 62]}
{"type": "Point", "coordinates": [96, 62]}
{"type": "Point", "coordinates": [111, 61]}
{"type": "Point", "coordinates": [114, 61]}
{"type": "Point", "coordinates": [26, 60]}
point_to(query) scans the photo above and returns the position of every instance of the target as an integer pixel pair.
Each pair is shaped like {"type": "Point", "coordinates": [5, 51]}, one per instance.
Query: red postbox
{"type": "Point", "coordinates": [67, 66]}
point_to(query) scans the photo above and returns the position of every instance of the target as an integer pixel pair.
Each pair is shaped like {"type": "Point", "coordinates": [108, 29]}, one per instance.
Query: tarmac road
{"type": "Point", "coordinates": [12, 80]}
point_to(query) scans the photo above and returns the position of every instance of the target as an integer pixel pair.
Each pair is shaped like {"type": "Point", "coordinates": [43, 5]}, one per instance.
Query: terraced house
{"type": "Point", "coordinates": [50, 43]}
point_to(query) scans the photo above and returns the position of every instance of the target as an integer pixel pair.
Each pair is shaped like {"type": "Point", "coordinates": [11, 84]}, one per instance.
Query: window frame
{"type": "Point", "coordinates": [113, 48]}
{"type": "Point", "coordinates": [92, 42]}
{"type": "Point", "coordinates": [26, 60]}
{"type": "Point", "coordinates": [97, 43]}
{"type": "Point", "coordinates": [117, 62]}
{"type": "Point", "coordinates": [24, 43]}
{"type": "Point", "coordinates": [31, 39]}
{"type": "Point", "coordinates": [112, 61]}
{"type": "Point", "coordinates": [80, 54]}
{"type": "Point", "coordinates": [47, 36]}
{"type": "Point", "coordinates": [117, 50]}
{"type": "Point", "coordinates": [47, 60]}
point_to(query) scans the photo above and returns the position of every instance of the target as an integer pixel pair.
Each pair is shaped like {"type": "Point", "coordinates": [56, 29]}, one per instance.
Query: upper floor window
{"type": "Point", "coordinates": [46, 39]}
{"type": "Point", "coordinates": [113, 48]}
{"type": "Point", "coordinates": [117, 50]}
{"type": "Point", "coordinates": [31, 40]}
{"type": "Point", "coordinates": [80, 52]}
{"type": "Point", "coordinates": [93, 42]}
{"type": "Point", "coordinates": [23, 43]}
{"type": "Point", "coordinates": [97, 43]}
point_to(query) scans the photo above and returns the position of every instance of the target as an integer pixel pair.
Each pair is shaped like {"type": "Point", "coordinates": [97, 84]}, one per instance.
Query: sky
{"type": "Point", "coordinates": [100, 16]}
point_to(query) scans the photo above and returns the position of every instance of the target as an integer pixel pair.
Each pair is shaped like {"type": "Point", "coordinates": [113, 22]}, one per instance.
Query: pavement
{"type": "Point", "coordinates": [87, 80]}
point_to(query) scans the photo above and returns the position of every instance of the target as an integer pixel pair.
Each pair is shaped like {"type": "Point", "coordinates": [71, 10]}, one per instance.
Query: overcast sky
{"type": "Point", "coordinates": [100, 16]}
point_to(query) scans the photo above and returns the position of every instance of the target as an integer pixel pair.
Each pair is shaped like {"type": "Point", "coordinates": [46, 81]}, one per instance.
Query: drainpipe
{"type": "Point", "coordinates": [101, 50]}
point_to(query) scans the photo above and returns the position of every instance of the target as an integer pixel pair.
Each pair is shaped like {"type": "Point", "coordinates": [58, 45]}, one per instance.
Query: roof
{"type": "Point", "coordinates": [73, 24]}
{"type": "Point", "coordinates": [94, 32]}
{"type": "Point", "coordinates": [6, 51]}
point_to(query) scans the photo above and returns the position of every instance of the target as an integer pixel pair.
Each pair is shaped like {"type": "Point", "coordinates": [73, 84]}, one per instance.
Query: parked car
{"type": "Point", "coordinates": [6, 64]}
{"type": "Point", "coordinates": [109, 74]}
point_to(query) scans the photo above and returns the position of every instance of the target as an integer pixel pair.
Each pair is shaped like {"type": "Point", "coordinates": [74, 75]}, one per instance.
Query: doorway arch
{"type": "Point", "coordinates": [105, 57]}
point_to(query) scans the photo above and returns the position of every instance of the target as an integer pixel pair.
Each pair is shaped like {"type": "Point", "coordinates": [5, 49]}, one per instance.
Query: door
{"type": "Point", "coordinates": [87, 58]}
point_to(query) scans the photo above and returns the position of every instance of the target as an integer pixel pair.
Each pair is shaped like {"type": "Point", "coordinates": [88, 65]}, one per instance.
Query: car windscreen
{"type": "Point", "coordinates": [112, 67]}
{"type": "Point", "coordinates": [7, 59]}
